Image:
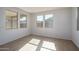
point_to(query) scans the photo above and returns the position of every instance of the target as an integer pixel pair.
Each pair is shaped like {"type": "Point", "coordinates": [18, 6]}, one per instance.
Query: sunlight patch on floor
{"type": "Point", "coordinates": [33, 44]}
{"type": "Point", "coordinates": [34, 41]}
{"type": "Point", "coordinates": [49, 45]}
{"type": "Point", "coordinates": [28, 47]}
{"type": "Point", "coordinates": [43, 49]}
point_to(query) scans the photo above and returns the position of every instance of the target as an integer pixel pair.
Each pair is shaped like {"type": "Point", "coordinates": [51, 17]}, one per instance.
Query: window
{"type": "Point", "coordinates": [48, 21]}
{"type": "Point", "coordinates": [11, 19]}
{"type": "Point", "coordinates": [45, 21]}
{"type": "Point", "coordinates": [23, 21]}
{"type": "Point", "coordinates": [40, 21]}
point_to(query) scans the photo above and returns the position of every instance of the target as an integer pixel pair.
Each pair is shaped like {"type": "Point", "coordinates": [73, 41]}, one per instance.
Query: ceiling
{"type": "Point", "coordinates": [38, 9]}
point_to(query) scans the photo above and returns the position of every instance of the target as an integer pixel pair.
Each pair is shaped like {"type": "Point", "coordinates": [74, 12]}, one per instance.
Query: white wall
{"type": "Point", "coordinates": [61, 26]}
{"type": "Point", "coordinates": [75, 33]}
{"type": "Point", "coordinates": [7, 35]}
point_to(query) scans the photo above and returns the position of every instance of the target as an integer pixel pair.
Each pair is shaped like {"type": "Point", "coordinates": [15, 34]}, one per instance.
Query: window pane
{"type": "Point", "coordinates": [23, 21]}
{"type": "Point", "coordinates": [49, 21]}
{"type": "Point", "coordinates": [15, 23]}
{"type": "Point", "coordinates": [39, 21]}
{"type": "Point", "coordinates": [39, 18]}
{"type": "Point", "coordinates": [11, 19]}
{"type": "Point", "coordinates": [8, 23]}
{"type": "Point", "coordinates": [39, 24]}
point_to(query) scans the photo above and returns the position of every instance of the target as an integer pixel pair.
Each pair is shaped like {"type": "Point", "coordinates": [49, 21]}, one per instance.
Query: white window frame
{"type": "Point", "coordinates": [43, 22]}
{"type": "Point", "coordinates": [11, 24]}
{"type": "Point", "coordinates": [26, 20]}
{"type": "Point", "coordinates": [36, 21]}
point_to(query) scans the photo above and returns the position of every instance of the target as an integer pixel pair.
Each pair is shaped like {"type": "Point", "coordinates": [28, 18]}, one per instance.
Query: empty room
{"type": "Point", "coordinates": [39, 29]}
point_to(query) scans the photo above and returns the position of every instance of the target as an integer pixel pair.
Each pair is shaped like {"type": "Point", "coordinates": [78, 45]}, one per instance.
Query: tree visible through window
{"type": "Point", "coordinates": [45, 21]}
{"type": "Point", "coordinates": [40, 21]}
{"type": "Point", "coordinates": [23, 21]}
{"type": "Point", "coordinates": [49, 21]}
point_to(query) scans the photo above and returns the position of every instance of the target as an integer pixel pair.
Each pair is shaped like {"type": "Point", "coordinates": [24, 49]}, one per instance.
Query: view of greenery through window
{"type": "Point", "coordinates": [45, 21]}
{"type": "Point", "coordinates": [23, 21]}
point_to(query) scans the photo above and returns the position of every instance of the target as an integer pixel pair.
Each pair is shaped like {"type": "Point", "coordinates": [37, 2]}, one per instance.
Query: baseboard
{"type": "Point", "coordinates": [48, 37]}
{"type": "Point", "coordinates": [31, 35]}
{"type": "Point", "coordinates": [15, 39]}
{"type": "Point", "coordinates": [75, 43]}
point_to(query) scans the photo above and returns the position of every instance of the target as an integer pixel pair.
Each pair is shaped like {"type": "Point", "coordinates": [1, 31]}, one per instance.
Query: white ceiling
{"type": "Point", "coordinates": [38, 9]}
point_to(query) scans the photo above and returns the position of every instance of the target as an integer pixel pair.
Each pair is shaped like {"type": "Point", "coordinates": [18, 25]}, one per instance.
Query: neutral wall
{"type": "Point", "coordinates": [7, 35]}
{"type": "Point", "coordinates": [75, 33]}
{"type": "Point", "coordinates": [61, 25]}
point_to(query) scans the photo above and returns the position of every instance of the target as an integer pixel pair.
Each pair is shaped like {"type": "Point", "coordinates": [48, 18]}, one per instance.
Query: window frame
{"type": "Point", "coordinates": [36, 22]}
{"type": "Point", "coordinates": [21, 13]}
{"type": "Point", "coordinates": [43, 21]}
{"type": "Point", "coordinates": [11, 22]}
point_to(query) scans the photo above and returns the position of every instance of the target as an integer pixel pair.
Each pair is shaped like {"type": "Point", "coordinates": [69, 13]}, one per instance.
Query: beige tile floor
{"type": "Point", "coordinates": [39, 43]}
